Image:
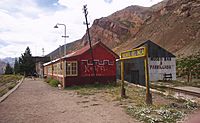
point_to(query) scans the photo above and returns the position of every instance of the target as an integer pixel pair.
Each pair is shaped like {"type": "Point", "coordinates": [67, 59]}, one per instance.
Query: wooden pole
{"type": "Point", "coordinates": [123, 91]}
{"type": "Point", "coordinates": [148, 93]}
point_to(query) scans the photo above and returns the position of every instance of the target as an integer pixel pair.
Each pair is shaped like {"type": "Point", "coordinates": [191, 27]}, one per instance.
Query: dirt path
{"type": "Point", "coordinates": [37, 102]}
{"type": "Point", "coordinates": [193, 118]}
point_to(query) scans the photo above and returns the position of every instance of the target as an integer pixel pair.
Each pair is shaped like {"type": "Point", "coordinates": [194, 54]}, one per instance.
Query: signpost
{"type": "Point", "coordinates": [136, 53]}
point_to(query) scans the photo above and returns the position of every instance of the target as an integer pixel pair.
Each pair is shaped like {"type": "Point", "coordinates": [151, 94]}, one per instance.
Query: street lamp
{"type": "Point", "coordinates": [64, 62]}
{"type": "Point", "coordinates": [65, 36]}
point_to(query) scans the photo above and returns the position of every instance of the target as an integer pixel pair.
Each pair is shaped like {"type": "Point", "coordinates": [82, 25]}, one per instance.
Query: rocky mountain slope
{"type": "Point", "coordinates": [176, 27]}
{"type": "Point", "coordinates": [172, 24]}
{"type": "Point", "coordinates": [2, 66]}
{"type": "Point", "coordinates": [3, 63]}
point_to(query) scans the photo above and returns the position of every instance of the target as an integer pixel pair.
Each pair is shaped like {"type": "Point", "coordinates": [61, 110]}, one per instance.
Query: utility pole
{"type": "Point", "coordinates": [42, 51]}
{"type": "Point", "coordinates": [88, 33]}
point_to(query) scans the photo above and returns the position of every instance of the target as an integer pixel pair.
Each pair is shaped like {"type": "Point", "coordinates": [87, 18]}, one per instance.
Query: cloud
{"type": "Point", "coordinates": [30, 22]}
{"type": "Point", "coordinates": [3, 43]}
{"type": "Point", "coordinates": [108, 1]}
{"type": "Point", "coordinates": [30, 8]}
{"type": "Point", "coordinates": [51, 5]}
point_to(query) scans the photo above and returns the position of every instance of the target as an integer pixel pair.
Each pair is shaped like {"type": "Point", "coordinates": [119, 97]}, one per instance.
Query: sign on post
{"type": "Point", "coordinates": [136, 53]}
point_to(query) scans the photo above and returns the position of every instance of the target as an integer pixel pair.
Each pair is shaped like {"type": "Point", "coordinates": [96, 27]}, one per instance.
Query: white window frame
{"type": "Point", "coordinates": [70, 73]}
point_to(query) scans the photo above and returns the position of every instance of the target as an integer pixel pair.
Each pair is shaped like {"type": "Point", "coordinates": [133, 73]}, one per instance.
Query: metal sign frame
{"type": "Point", "coordinates": [134, 53]}
{"type": "Point", "coordinates": [131, 54]}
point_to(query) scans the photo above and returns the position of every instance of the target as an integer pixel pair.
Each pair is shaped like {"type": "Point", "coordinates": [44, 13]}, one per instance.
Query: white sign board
{"type": "Point", "coordinates": [162, 68]}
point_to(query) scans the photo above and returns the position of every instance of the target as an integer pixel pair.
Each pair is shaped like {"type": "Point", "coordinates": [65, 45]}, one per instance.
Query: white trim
{"type": "Point", "coordinates": [70, 62]}
{"type": "Point", "coordinates": [59, 75]}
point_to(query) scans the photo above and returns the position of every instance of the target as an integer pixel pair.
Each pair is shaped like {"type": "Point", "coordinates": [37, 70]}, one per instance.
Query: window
{"type": "Point", "coordinates": [49, 69]}
{"type": "Point", "coordinates": [71, 68]}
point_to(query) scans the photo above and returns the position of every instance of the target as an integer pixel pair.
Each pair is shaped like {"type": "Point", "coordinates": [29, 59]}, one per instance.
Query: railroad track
{"type": "Point", "coordinates": [192, 93]}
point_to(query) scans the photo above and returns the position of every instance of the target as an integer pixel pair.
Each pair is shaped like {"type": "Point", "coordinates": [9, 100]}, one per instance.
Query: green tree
{"type": "Point", "coordinates": [189, 66]}
{"type": "Point", "coordinates": [26, 63]}
{"type": "Point", "coordinates": [9, 69]}
{"type": "Point", "coordinates": [16, 66]}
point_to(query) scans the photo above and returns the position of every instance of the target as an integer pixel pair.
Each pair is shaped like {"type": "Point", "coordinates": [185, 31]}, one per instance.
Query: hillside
{"type": "Point", "coordinates": [173, 24]}
{"type": "Point", "coordinates": [3, 62]}
{"type": "Point", "coordinates": [175, 27]}
{"type": "Point", "coordinates": [2, 66]}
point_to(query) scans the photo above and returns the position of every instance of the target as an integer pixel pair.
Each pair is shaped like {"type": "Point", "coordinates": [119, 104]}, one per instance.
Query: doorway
{"type": "Point", "coordinates": [135, 76]}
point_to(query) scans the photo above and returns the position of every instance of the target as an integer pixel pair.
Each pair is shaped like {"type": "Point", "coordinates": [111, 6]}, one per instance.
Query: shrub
{"type": "Point", "coordinates": [11, 86]}
{"type": "Point", "coordinates": [48, 80]}
{"type": "Point", "coordinates": [54, 82]}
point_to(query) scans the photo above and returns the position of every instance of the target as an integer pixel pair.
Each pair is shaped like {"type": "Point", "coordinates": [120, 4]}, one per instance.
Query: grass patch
{"type": "Point", "coordinates": [91, 89]}
{"type": "Point", "coordinates": [154, 114]}
{"type": "Point", "coordinates": [3, 91]}
{"type": "Point", "coordinates": [7, 82]}
{"type": "Point", "coordinates": [9, 78]}
{"type": "Point", "coordinates": [164, 109]}
{"type": "Point", "coordinates": [47, 80]}
{"type": "Point", "coordinates": [166, 113]}
{"type": "Point", "coordinates": [12, 86]}
{"type": "Point", "coordinates": [54, 83]}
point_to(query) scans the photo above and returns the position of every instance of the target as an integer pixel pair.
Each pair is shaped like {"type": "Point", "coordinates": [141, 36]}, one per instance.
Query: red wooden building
{"type": "Point", "coordinates": [76, 68]}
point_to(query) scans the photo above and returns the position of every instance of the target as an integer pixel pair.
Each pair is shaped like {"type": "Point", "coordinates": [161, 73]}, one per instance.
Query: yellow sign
{"type": "Point", "coordinates": [135, 53]}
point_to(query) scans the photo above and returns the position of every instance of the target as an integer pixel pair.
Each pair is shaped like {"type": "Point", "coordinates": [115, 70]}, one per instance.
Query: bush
{"type": "Point", "coordinates": [11, 86]}
{"type": "Point", "coordinates": [54, 83]}
{"type": "Point", "coordinates": [47, 80]}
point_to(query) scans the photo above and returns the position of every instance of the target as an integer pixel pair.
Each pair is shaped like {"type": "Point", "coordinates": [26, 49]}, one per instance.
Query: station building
{"type": "Point", "coordinates": [161, 65]}
{"type": "Point", "coordinates": [77, 67]}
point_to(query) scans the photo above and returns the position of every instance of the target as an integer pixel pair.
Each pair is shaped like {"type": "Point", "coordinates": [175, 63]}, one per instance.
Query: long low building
{"type": "Point", "coordinates": [77, 68]}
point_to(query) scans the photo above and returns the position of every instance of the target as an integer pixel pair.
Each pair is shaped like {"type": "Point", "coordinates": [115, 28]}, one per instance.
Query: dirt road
{"type": "Point", "coordinates": [36, 102]}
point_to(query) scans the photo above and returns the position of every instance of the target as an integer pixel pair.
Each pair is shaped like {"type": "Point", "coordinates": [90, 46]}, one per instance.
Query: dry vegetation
{"type": "Point", "coordinates": [164, 108]}
{"type": "Point", "coordinates": [7, 82]}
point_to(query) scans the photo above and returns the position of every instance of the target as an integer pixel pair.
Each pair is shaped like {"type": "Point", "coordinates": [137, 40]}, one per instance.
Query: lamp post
{"type": "Point", "coordinates": [64, 36]}
{"type": "Point", "coordinates": [64, 62]}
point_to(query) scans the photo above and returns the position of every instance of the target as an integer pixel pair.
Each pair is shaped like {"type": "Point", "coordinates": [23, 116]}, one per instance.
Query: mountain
{"type": "Point", "coordinates": [172, 24]}
{"type": "Point", "coordinates": [9, 60]}
{"type": "Point", "coordinates": [3, 63]}
{"type": "Point", "coordinates": [2, 66]}
{"type": "Point", "coordinates": [176, 27]}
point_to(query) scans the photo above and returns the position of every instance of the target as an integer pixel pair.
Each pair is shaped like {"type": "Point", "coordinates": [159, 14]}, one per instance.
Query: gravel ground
{"type": "Point", "coordinates": [36, 102]}
{"type": "Point", "coordinates": [193, 118]}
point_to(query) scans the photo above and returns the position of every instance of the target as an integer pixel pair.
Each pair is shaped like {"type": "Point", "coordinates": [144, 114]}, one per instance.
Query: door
{"type": "Point", "coordinates": [135, 76]}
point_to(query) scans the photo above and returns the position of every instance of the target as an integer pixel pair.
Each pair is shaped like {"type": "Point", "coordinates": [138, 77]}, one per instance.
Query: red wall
{"type": "Point", "coordinates": [105, 67]}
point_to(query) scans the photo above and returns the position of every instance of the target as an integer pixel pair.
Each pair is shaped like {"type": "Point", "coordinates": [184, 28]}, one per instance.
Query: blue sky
{"type": "Point", "coordinates": [30, 22]}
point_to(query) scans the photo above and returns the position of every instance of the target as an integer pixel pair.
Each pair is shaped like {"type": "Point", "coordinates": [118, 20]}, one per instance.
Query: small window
{"type": "Point", "coordinates": [71, 68]}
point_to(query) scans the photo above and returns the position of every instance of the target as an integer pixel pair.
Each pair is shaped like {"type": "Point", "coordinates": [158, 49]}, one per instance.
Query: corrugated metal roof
{"type": "Point", "coordinates": [51, 62]}
{"type": "Point", "coordinates": [154, 50]}
{"type": "Point", "coordinates": [81, 51]}
{"type": "Point", "coordinates": [86, 48]}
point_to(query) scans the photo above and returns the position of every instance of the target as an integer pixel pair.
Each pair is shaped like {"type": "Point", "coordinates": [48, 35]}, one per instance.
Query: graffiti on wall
{"type": "Point", "coordinates": [101, 66]}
